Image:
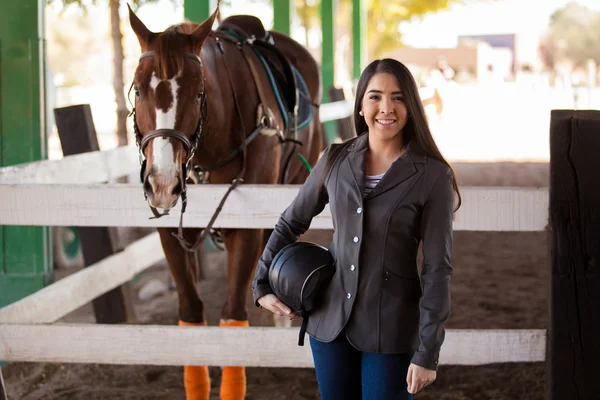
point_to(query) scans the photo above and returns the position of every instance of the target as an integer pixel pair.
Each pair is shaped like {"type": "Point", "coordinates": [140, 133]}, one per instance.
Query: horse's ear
{"type": "Point", "coordinates": [202, 31]}
{"type": "Point", "coordinates": [143, 34]}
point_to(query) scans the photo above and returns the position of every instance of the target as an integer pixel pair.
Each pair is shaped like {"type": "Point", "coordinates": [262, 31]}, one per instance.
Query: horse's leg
{"type": "Point", "coordinates": [191, 310]}
{"type": "Point", "coordinates": [243, 247]}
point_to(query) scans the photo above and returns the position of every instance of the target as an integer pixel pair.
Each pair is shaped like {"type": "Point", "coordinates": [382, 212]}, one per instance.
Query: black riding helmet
{"type": "Point", "coordinates": [297, 274]}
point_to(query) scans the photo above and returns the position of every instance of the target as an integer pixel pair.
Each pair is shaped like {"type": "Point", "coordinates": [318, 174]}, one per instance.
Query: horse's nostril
{"type": "Point", "coordinates": [147, 186]}
{"type": "Point", "coordinates": [177, 189]}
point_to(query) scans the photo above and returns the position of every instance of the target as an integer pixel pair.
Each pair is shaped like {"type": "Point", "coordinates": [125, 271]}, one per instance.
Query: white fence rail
{"type": "Point", "coordinates": [250, 206]}
{"type": "Point", "coordinates": [336, 110]}
{"type": "Point", "coordinates": [68, 294]}
{"type": "Point", "coordinates": [92, 167]}
{"type": "Point", "coordinates": [257, 347]}
{"type": "Point", "coordinates": [70, 192]}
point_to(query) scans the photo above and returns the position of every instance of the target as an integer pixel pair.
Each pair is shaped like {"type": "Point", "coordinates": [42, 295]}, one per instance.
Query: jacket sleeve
{"type": "Point", "coordinates": [436, 232]}
{"type": "Point", "coordinates": [293, 222]}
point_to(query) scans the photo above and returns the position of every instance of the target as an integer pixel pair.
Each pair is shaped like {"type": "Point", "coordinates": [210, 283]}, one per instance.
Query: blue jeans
{"type": "Point", "coordinates": [346, 373]}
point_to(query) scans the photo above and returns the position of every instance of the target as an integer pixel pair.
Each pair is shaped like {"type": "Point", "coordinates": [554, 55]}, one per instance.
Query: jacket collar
{"type": "Point", "coordinates": [400, 170]}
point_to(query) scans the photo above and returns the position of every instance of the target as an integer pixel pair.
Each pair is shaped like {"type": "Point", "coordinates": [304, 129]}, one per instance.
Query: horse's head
{"type": "Point", "coordinates": [170, 105]}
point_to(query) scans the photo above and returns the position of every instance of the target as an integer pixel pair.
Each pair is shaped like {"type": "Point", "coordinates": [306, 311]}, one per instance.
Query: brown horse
{"type": "Point", "coordinates": [200, 95]}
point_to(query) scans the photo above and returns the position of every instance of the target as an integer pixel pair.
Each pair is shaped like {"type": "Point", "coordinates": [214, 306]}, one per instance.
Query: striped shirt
{"type": "Point", "coordinates": [371, 181]}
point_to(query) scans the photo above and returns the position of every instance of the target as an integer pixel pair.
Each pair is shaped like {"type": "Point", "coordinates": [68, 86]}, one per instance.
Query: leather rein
{"type": "Point", "coordinates": [190, 146]}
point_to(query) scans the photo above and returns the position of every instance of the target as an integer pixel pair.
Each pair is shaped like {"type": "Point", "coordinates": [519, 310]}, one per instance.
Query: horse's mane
{"type": "Point", "coordinates": [171, 47]}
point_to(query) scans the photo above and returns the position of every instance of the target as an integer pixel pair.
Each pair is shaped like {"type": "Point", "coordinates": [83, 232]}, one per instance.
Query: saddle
{"type": "Point", "coordinates": [285, 80]}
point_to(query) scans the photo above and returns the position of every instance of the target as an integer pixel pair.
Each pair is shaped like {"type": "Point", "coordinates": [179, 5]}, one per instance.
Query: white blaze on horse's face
{"type": "Point", "coordinates": [164, 155]}
{"type": "Point", "coordinates": [164, 165]}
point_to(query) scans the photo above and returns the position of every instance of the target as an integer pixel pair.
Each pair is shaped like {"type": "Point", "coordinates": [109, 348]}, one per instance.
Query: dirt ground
{"type": "Point", "coordinates": [500, 281]}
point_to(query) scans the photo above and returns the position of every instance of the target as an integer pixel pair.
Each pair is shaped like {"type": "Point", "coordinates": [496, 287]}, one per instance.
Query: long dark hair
{"type": "Point", "coordinates": [416, 131]}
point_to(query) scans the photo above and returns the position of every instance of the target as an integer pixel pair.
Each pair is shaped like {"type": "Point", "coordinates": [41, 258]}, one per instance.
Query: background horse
{"type": "Point", "coordinates": [198, 92]}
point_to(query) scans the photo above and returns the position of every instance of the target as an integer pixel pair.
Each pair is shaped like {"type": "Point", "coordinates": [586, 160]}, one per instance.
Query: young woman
{"type": "Point", "coordinates": [378, 330]}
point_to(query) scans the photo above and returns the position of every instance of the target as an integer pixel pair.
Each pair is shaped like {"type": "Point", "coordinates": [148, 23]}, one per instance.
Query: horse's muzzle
{"type": "Point", "coordinates": [162, 193]}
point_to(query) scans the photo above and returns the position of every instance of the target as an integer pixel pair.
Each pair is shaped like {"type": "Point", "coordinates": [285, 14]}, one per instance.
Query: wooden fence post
{"type": "Point", "coordinates": [344, 126]}
{"type": "Point", "coordinates": [573, 366]}
{"type": "Point", "coordinates": [78, 135]}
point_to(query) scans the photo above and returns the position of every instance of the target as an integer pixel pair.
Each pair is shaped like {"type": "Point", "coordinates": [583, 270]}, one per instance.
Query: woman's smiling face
{"type": "Point", "coordinates": [383, 106]}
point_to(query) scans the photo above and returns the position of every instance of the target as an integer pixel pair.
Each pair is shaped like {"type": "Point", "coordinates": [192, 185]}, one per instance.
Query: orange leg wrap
{"type": "Point", "coordinates": [233, 380]}
{"type": "Point", "coordinates": [195, 378]}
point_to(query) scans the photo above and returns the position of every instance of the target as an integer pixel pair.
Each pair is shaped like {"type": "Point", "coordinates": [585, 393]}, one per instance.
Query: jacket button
{"type": "Point", "coordinates": [355, 239]}
{"type": "Point", "coordinates": [352, 267]}
{"type": "Point", "coordinates": [359, 210]}
{"type": "Point", "coordinates": [348, 295]}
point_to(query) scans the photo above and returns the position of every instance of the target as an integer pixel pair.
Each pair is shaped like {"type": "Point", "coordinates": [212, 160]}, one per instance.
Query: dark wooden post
{"type": "Point", "coordinates": [78, 135]}
{"type": "Point", "coordinates": [573, 358]}
{"type": "Point", "coordinates": [344, 126]}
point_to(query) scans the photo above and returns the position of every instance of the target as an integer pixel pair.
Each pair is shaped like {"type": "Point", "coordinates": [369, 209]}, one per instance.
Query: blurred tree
{"type": "Point", "coordinates": [118, 58]}
{"type": "Point", "coordinates": [383, 18]}
{"type": "Point", "coordinates": [67, 41]}
{"type": "Point", "coordinates": [309, 14]}
{"type": "Point", "coordinates": [572, 36]}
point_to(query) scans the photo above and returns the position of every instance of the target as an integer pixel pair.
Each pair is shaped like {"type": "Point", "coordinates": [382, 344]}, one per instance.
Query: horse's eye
{"type": "Point", "coordinates": [137, 91]}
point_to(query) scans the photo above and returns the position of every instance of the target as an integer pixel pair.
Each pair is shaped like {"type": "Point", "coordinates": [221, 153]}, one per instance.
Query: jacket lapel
{"type": "Point", "coordinates": [402, 169]}
{"type": "Point", "coordinates": [356, 159]}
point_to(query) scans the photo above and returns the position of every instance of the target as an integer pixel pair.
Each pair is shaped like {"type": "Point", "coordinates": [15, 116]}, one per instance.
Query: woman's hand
{"type": "Point", "coordinates": [273, 304]}
{"type": "Point", "coordinates": [419, 377]}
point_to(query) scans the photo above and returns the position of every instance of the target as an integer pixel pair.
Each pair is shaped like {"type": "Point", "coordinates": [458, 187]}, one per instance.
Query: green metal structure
{"type": "Point", "coordinates": [25, 265]}
{"type": "Point", "coordinates": [359, 37]}
{"type": "Point", "coordinates": [197, 10]}
{"type": "Point", "coordinates": [282, 16]}
{"type": "Point", "coordinates": [327, 46]}
{"type": "Point", "coordinates": [328, 59]}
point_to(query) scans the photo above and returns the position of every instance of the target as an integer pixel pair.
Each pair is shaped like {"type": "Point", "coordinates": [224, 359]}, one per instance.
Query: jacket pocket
{"type": "Point", "coordinates": [405, 288]}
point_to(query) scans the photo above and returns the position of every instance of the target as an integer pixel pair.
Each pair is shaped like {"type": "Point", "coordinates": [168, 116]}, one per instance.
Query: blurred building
{"type": "Point", "coordinates": [523, 48]}
{"type": "Point", "coordinates": [476, 57]}
{"type": "Point", "coordinates": [471, 59]}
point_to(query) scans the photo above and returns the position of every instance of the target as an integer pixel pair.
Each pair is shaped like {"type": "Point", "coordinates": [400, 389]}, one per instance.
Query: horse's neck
{"type": "Point", "coordinates": [221, 132]}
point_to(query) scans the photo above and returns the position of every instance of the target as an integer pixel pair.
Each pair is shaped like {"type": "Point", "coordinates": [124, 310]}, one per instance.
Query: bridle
{"type": "Point", "coordinates": [189, 145]}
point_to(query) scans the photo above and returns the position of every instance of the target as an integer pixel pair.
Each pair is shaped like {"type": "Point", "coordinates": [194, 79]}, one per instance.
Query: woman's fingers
{"type": "Point", "coordinates": [284, 309]}
{"type": "Point", "coordinates": [415, 386]}
{"type": "Point", "coordinates": [280, 308]}
{"type": "Point", "coordinates": [273, 304]}
{"type": "Point", "coordinates": [420, 385]}
{"type": "Point", "coordinates": [418, 377]}
{"type": "Point", "coordinates": [409, 380]}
